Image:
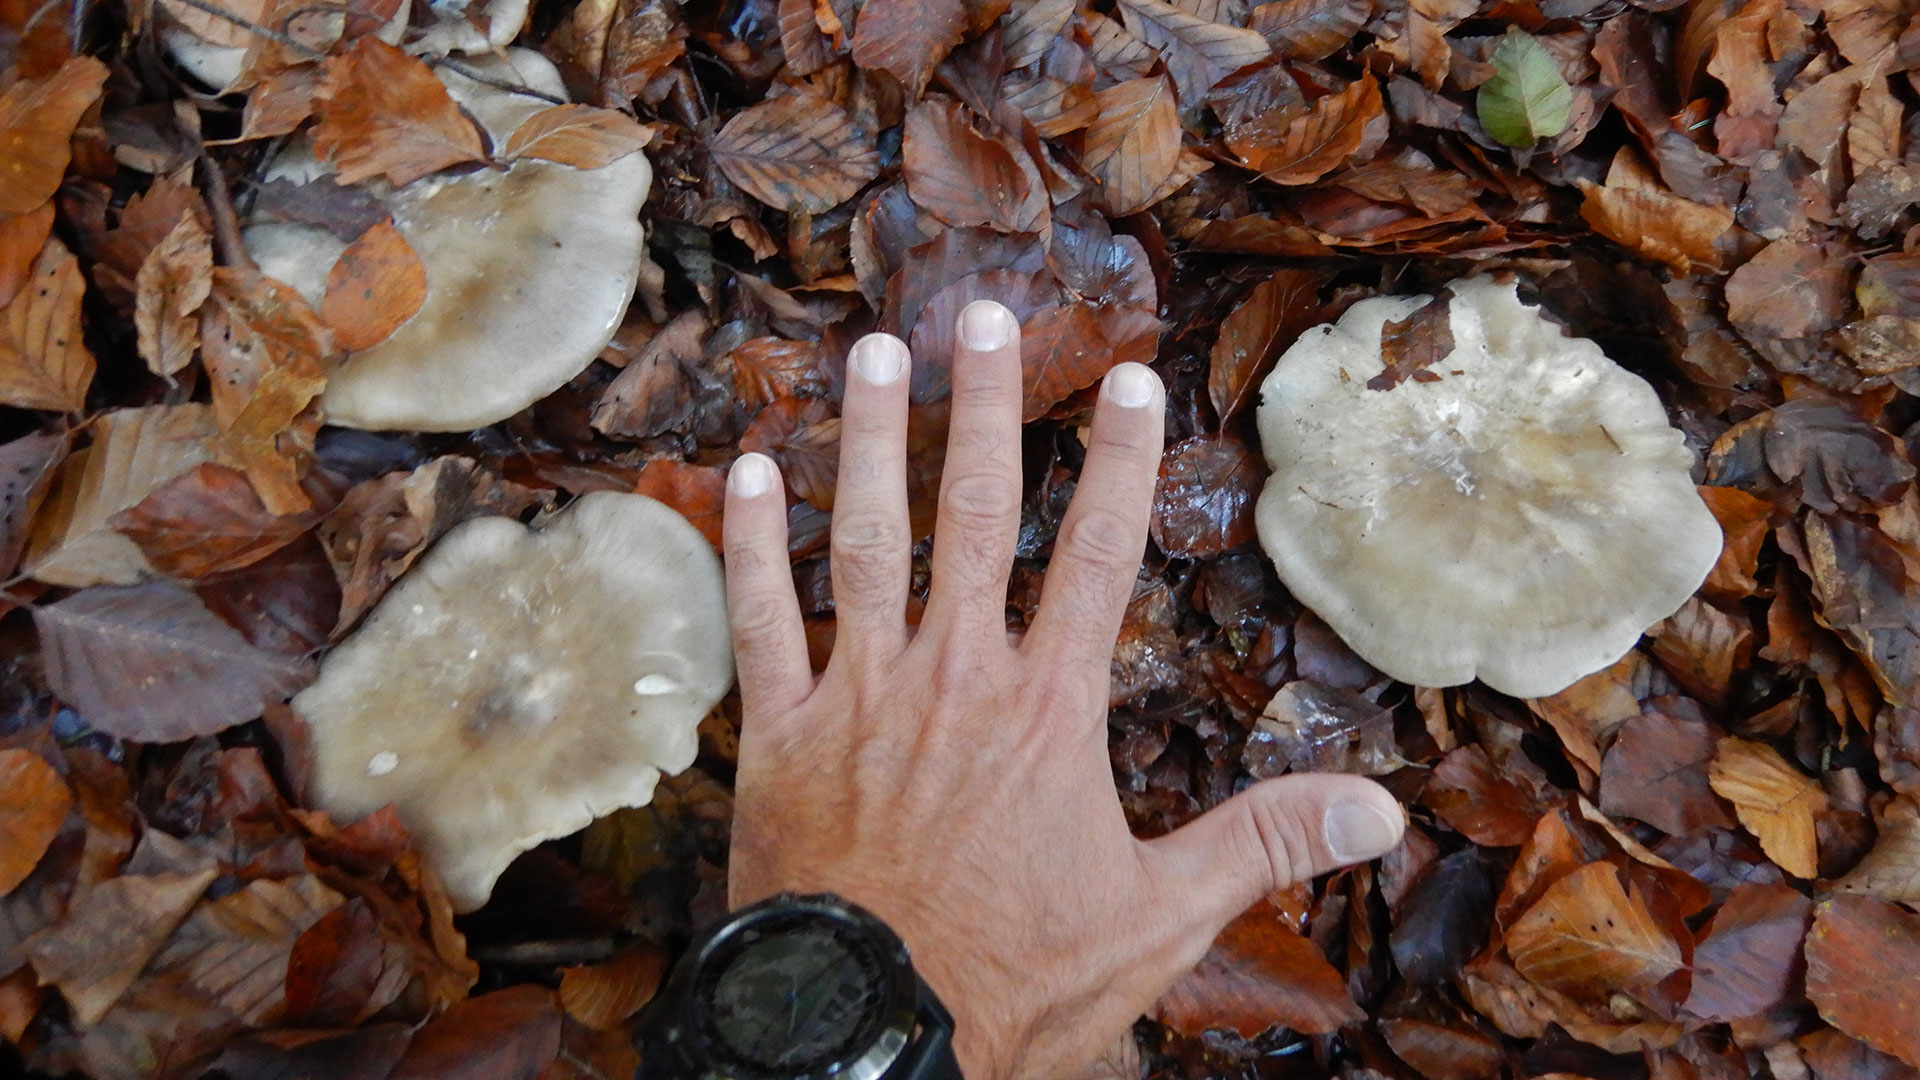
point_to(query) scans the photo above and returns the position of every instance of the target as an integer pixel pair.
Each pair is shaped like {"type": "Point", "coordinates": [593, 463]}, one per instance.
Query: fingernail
{"type": "Point", "coordinates": [752, 475]}
{"type": "Point", "coordinates": [1358, 830]}
{"type": "Point", "coordinates": [985, 326]}
{"type": "Point", "coordinates": [879, 358]}
{"type": "Point", "coordinates": [1130, 385]}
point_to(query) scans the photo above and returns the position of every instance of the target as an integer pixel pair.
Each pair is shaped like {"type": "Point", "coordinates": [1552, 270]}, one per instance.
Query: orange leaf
{"type": "Point", "coordinates": [1134, 146]}
{"type": "Point", "coordinates": [1300, 144]}
{"type": "Point", "coordinates": [907, 38]}
{"type": "Point", "coordinates": [207, 521]}
{"type": "Point", "coordinates": [382, 113]}
{"type": "Point", "coordinates": [1310, 29]}
{"type": "Point", "coordinates": [768, 368]}
{"type": "Point", "coordinates": [44, 364]}
{"type": "Point", "coordinates": [37, 118]}
{"type": "Point", "coordinates": [803, 435]}
{"type": "Point", "coordinates": [1063, 350]}
{"type": "Point", "coordinates": [376, 285]}
{"type": "Point", "coordinates": [1257, 974]}
{"type": "Point", "coordinates": [171, 286]}
{"type": "Point", "coordinates": [1657, 224]}
{"type": "Point", "coordinates": [796, 152]}
{"type": "Point", "coordinates": [603, 995]}
{"type": "Point", "coordinates": [33, 804]}
{"type": "Point", "coordinates": [1861, 957]}
{"type": "Point", "coordinates": [1775, 801]}
{"type": "Point", "coordinates": [1588, 938]}
{"type": "Point", "coordinates": [698, 492]}
{"type": "Point", "coordinates": [582, 136]}
{"type": "Point", "coordinates": [21, 238]}
{"type": "Point", "coordinates": [1254, 334]}
{"type": "Point", "coordinates": [964, 177]}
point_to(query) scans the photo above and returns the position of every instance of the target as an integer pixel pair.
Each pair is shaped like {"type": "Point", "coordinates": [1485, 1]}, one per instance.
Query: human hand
{"type": "Point", "coordinates": [955, 782]}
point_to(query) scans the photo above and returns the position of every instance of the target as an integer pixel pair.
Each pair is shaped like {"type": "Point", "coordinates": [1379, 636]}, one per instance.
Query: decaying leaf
{"type": "Point", "coordinates": [383, 113]}
{"type": "Point", "coordinates": [206, 521]}
{"type": "Point", "coordinates": [1748, 958]}
{"type": "Point", "coordinates": [1134, 145]}
{"type": "Point", "coordinates": [1792, 288]}
{"type": "Point", "coordinates": [1259, 973]}
{"type": "Point", "coordinates": [578, 135]}
{"type": "Point", "coordinates": [174, 281]}
{"type": "Point", "coordinates": [907, 38]}
{"type": "Point", "coordinates": [1300, 144]}
{"type": "Point", "coordinates": [1860, 958]}
{"type": "Point", "coordinates": [110, 934]}
{"type": "Point", "coordinates": [44, 362]}
{"type": "Point", "coordinates": [37, 118]}
{"type": "Point", "coordinates": [1775, 801]}
{"type": "Point", "coordinates": [796, 152]}
{"type": "Point", "coordinates": [1588, 936]}
{"type": "Point", "coordinates": [1203, 504]}
{"type": "Point", "coordinates": [33, 805]}
{"type": "Point", "coordinates": [1199, 51]}
{"type": "Point", "coordinates": [375, 285]}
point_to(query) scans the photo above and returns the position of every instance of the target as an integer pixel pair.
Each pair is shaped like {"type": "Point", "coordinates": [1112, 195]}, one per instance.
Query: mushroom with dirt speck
{"type": "Point", "coordinates": [483, 760]}
{"type": "Point", "coordinates": [1508, 504]}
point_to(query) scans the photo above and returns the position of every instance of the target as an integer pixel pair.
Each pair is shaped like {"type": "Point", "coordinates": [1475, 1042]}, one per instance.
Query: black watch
{"type": "Point", "coordinates": [797, 988]}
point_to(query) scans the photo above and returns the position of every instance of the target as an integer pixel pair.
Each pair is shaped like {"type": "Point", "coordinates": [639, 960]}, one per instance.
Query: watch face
{"type": "Point", "coordinates": [795, 1000]}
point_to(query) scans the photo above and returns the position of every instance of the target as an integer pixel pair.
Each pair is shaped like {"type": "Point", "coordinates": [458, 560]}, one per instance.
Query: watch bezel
{"type": "Point", "coordinates": [897, 1009]}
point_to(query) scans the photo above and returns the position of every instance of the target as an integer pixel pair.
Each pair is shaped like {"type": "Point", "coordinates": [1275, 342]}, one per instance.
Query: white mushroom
{"type": "Point", "coordinates": [1520, 511]}
{"type": "Point", "coordinates": [529, 271]}
{"type": "Point", "coordinates": [518, 683]}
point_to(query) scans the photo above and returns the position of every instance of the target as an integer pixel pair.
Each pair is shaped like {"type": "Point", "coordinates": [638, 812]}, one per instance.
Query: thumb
{"type": "Point", "coordinates": [1275, 833]}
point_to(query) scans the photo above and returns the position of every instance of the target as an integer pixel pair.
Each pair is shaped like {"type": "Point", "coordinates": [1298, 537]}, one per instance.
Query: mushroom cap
{"type": "Point", "coordinates": [529, 271]}
{"type": "Point", "coordinates": [1523, 519]}
{"type": "Point", "coordinates": [519, 682]}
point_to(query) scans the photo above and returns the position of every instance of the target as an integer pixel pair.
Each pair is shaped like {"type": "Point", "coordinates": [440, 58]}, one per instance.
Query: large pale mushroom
{"type": "Point", "coordinates": [518, 683]}
{"type": "Point", "coordinates": [1515, 508]}
{"type": "Point", "coordinates": [529, 270]}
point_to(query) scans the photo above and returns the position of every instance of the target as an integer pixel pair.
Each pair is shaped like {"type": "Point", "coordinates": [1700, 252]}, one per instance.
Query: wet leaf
{"type": "Point", "coordinates": [206, 521]}
{"type": "Point", "coordinates": [1310, 29]}
{"type": "Point", "coordinates": [1527, 99]}
{"type": "Point", "coordinates": [1410, 347]}
{"type": "Point", "coordinates": [1310, 727]}
{"type": "Point", "coordinates": [1775, 801]}
{"type": "Point", "coordinates": [375, 286]}
{"type": "Point", "coordinates": [1444, 919]}
{"type": "Point", "coordinates": [1254, 335]}
{"type": "Point", "coordinates": [582, 136]}
{"type": "Point", "coordinates": [383, 113]}
{"type": "Point", "coordinates": [1471, 795]}
{"type": "Point", "coordinates": [964, 177]}
{"type": "Point", "coordinates": [1860, 959]}
{"type": "Point", "coordinates": [804, 437]}
{"type": "Point", "coordinates": [1203, 504]}
{"type": "Point", "coordinates": [907, 38]}
{"type": "Point", "coordinates": [44, 362]}
{"type": "Point", "coordinates": [1134, 145]}
{"type": "Point", "coordinates": [1199, 51]}
{"type": "Point", "coordinates": [698, 492]}
{"type": "Point", "coordinates": [796, 152]}
{"type": "Point", "coordinates": [1300, 144]}
{"type": "Point", "coordinates": [509, 1034]}
{"type": "Point", "coordinates": [37, 118]}
{"type": "Point", "coordinates": [766, 369]}
{"type": "Point", "coordinates": [1259, 973]}
{"type": "Point", "coordinates": [1587, 936]}
{"type": "Point", "coordinates": [33, 805]}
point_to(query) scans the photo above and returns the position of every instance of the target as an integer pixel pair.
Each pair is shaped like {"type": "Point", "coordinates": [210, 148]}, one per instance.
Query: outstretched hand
{"type": "Point", "coordinates": [956, 783]}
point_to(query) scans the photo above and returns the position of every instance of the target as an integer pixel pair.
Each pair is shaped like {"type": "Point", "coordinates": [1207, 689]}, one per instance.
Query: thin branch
{"type": "Point", "coordinates": [466, 72]}
{"type": "Point", "coordinates": [303, 51]}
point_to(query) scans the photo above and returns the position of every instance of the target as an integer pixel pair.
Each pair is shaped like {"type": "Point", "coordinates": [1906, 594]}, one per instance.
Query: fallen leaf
{"type": "Point", "coordinates": [150, 663]}
{"type": "Point", "coordinates": [1297, 145]}
{"type": "Point", "coordinates": [1656, 772]}
{"type": "Point", "coordinates": [510, 1034]}
{"type": "Point", "coordinates": [1444, 919]}
{"type": "Point", "coordinates": [1833, 1056]}
{"type": "Point", "coordinates": [1203, 503]}
{"type": "Point", "coordinates": [1470, 794]}
{"type": "Point", "coordinates": [1838, 460]}
{"type": "Point", "coordinates": [1745, 522]}
{"type": "Point", "coordinates": [766, 369]}
{"type": "Point", "coordinates": [22, 236]}
{"type": "Point", "coordinates": [33, 805]}
{"type": "Point", "coordinates": [1527, 99]}
{"type": "Point", "coordinates": [1199, 51]}
{"type": "Point", "coordinates": [383, 113]}
{"type": "Point", "coordinates": [236, 949]}
{"type": "Point", "coordinates": [172, 284]}
{"type": "Point", "coordinates": [37, 118]}
{"type": "Point", "coordinates": [113, 929]}
{"type": "Point", "coordinates": [1257, 974]}
{"type": "Point", "coordinates": [650, 396]}
{"type": "Point", "coordinates": [796, 152]}
{"type": "Point", "coordinates": [1891, 868]}
{"type": "Point", "coordinates": [365, 1052]}
{"type": "Point", "coordinates": [907, 38]}
{"type": "Point", "coordinates": [1748, 959]}
{"type": "Point", "coordinates": [604, 995]}
{"type": "Point", "coordinates": [698, 492]}
{"type": "Point", "coordinates": [1310, 29]}
{"type": "Point", "coordinates": [1589, 938]}
{"type": "Point", "coordinates": [206, 521]}
{"type": "Point", "coordinates": [266, 354]}
{"type": "Point", "coordinates": [582, 136]}
{"type": "Point", "coordinates": [1443, 1051]}
{"type": "Point", "coordinates": [1775, 801]}
{"type": "Point", "coordinates": [964, 177]}
{"type": "Point", "coordinates": [803, 435]}
{"type": "Point", "coordinates": [376, 285]}
{"type": "Point", "coordinates": [1410, 347]}
{"type": "Point", "coordinates": [1254, 334]}
{"type": "Point", "coordinates": [1062, 351]}
{"type": "Point", "coordinates": [44, 362]}
{"type": "Point", "coordinates": [1791, 289]}
{"type": "Point", "coordinates": [1134, 145]}
{"type": "Point", "coordinates": [1861, 956]}
{"type": "Point", "coordinates": [26, 471]}
{"type": "Point", "coordinates": [1704, 647]}
{"type": "Point", "coordinates": [1657, 224]}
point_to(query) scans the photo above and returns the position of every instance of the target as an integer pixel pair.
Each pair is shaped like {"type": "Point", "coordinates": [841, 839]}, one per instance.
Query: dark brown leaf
{"type": "Point", "coordinates": [1254, 334]}
{"type": "Point", "coordinates": [1748, 958]}
{"type": "Point", "coordinates": [767, 369]}
{"type": "Point", "coordinates": [510, 1034]}
{"type": "Point", "coordinates": [966, 178]}
{"type": "Point", "coordinates": [1410, 347]}
{"type": "Point", "coordinates": [803, 435]}
{"type": "Point", "coordinates": [1199, 51]}
{"type": "Point", "coordinates": [1259, 973]}
{"type": "Point", "coordinates": [796, 152]}
{"type": "Point", "coordinates": [1471, 795]}
{"type": "Point", "coordinates": [1656, 771]}
{"type": "Point", "coordinates": [908, 38]}
{"type": "Point", "coordinates": [1860, 958]}
{"type": "Point", "coordinates": [1203, 504]}
{"type": "Point", "coordinates": [1063, 350]}
{"type": "Point", "coordinates": [1839, 461]}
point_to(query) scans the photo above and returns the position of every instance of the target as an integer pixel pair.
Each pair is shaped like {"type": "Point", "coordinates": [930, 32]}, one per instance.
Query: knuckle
{"type": "Point", "coordinates": [1104, 539]}
{"type": "Point", "coordinates": [1282, 840]}
{"type": "Point", "coordinates": [758, 621]}
{"type": "Point", "coordinates": [982, 500]}
{"type": "Point", "coordinates": [868, 537]}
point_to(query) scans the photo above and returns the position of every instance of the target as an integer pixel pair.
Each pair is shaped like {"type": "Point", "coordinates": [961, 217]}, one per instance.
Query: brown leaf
{"type": "Point", "coordinates": [509, 1034]}
{"type": "Point", "coordinates": [151, 664]}
{"type": "Point", "coordinates": [908, 38]}
{"type": "Point", "coordinates": [22, 236]}
{"type": "Point", "coordinates": [803, 435]}
{"type": "Point", "coordinates": [1748, 958]}
{"type": "Point", "coordinates": [1656, 772]}
{"type": "Point", "coordinates": [1745, 522]}
{"type": "Point", "coordinates": [37, 118]}
{"type": "Point", "coordinates": [766, 369]}
{"type": "Point", "coordinates": [1135, 144]}
{"type": "Point", "coordinates": [1470, 794]}
{"type": "Point", "coordinates": [383, 113]}
{"type": "Point", "coordinates": [1861, 956]}
{"type": "Point", "coordinates": [1300, 144]}
{"type": "Point", "coordinates": [606, 994]}
{"type": "Point", "coordinates": [26, 471]}
{"type": "Point", "coordinates": [1203, 504]}
{"type": "Point", "coordinates": [1791, 289]}
{"type": "Point", "coordinates": [1257, 974]}
{"type": "Point", "coordinates": [1199, 52]}
{"type": "Point", "coordinates": [1588, 938]}
{"type": "Point", "coordinates": [1838, 460]}
{"type": "Point", "coordinates": [1704, 647]}
{"type": "Point", "coordinates": [966, 178]}
{"type": "Point", "coordinates": [650, 396]}
{"type": "Point", "coordinates": [109, 935]}
{"type": "Point", "coordinates": [266, 355]}
{"type": "Point", "coordinates": [1656, 224]}
{"type": "Point", "coordinates": [1891, 868]}
{"type": "Point", "coordinates": [172, 284]}
{"type": "Point", "coordinates": [33, 805]}
{"type": "Point", "coordinates": [1775, 801]}
{"type": "Point", "coordinates": [698, 492]}
{"type": "Point", "coordinates": [236, 949]}
{"type": "Point", "coordinates": [796, 152]}
{"type": "Point", "coordinates": [280, 104]}
{"type": "Point", "coordinates": [376, 285]}
{"type": "Point", "coordinates": [1411, 346]}
{"type": "Point", "coordinates": [1063, 350]}
{"type": "Point", "coordinates": [1833, 1056]}
{"type": "Point", "coordinates": [44, 362]}
{"type": "Point", "coordinates": [206, 521]}
{"type": "Point", "coordinates": [1443, 1051]}
{"type": "Point", "coordinates": [1310, 29]}
{"type": "Point", "coordinates": [582, 136]}
{"type": "Point", "coordinates": [1254, 334]}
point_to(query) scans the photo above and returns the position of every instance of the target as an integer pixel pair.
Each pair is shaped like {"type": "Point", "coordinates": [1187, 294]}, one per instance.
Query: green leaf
{"type": "Point", "coordinates": [1527, 99]}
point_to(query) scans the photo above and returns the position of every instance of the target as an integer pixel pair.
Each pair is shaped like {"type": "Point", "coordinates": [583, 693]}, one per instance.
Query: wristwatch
{"type": "Point", "coordinates": [797, 988]}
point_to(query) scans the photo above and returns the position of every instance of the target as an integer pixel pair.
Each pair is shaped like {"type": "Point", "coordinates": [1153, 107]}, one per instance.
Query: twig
{"type": "Point", "coordinates": [226, 223]}
{"type": "Point", "coordinates": [305, 52]}
{"type": "Point", "coordinates": [466, 72]}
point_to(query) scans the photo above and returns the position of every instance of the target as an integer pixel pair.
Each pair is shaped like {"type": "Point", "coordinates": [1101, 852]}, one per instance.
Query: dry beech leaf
{"type": "Point", "coordinates": [907, 38]}
{"type": "Point", "coordinates": [1203, 504]}
{"type": "Point", "coordinates": [698, 492]}
{"type": "Point", "coordinates": [236, 949]}
{"type": "Point", "coordinates": [603, 995]}
{"type": "Point", "coordinates": [796, 152]}
{"type": "Point", "coordinates": [33, 804]}
{"type": "Point", "coordinates": [44, 362]}
{"type": "Point", "coordinates": [376, 285]}
{"type": "Point", "coordinates": [281, 104]}
{"type": "Point", "coordinates": [215, 30]}
{"type": "Point", "coordinates": [1588, 938]}
{"type": "Point", "coordinates": [1134, 147]}
{"type": "Point", "coordinates": [1199, 52]}
{"type": "Point", "coordinates": [1469, 793]}
{"type": "Point", "coordinates": [582, 136]}
{"type": "Point", "coordinates": [22, 236]}
{"type": "Point", "coordinates": [37, 118]}
{"type": "Point", "coordinates": [1031, 26]}
{"type": "Point", "coordinates": [1791, 289]}
{"type": "Point", "coordinates": [1657, 224]}
{"type": "Point", "coordinates": [150, 663]}
{"type": "Point", "coordinates": [1254, 334]}
{"type": "Point", "coordinates": [1063, 349]}
{"type": "Point", "coordinates": [1891, 868]}
{"type": "Point", "coordinates": [1259, 973]}
{"type": "Point", "coordinates": [27, 467]}
{"type": "Point", "coordinates": [109, 934]}
{"type": "Point", "coordinates": [766, 369]}
{"type": "Point", "coordinates": [1775, 801]}
{"type": "Point", "coordinates": [1310, 29]}
{"type": "Point", "coordinates": [207, 521]}
{"type": "Point", "coordinates": [172, 284]}
{"type": "Point", "coordinates": [1656, 772]}
{"type": "Point", "coordinates": [1861, 956]}
{"type": "Point", "coordinates": [134, 451]}
{"type": "Point", "coordinates": [383, 113]}
{"type": "Point", "coordinates": [1747, 959]}
{"type": "Point", "coordinates": [266, 353]}
{"type": "Point", "coordinates": [966, 178]}
{"type": "Point", "coordinates": [1300, 144]}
